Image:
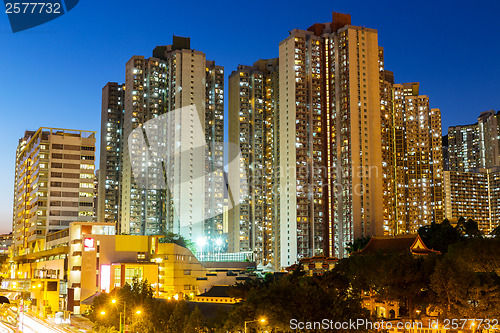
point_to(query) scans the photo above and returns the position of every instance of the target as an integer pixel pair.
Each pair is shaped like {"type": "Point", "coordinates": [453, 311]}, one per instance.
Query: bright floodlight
{"type": "Point", "coordinates": [263, 320]}
{"type": "Point", "coordinates": [201, 241]}
{"type": "Point", "coordinates": [218, 242]}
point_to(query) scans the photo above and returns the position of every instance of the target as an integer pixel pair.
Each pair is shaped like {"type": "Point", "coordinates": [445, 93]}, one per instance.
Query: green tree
{"type": "Point", "coordinates": [462, 292]}
{"type": "Point", "coordinates": [104, 329]}
{"type": "Point", "coordinates": [460, 227]}
{"type": "Point", "coordinates": [195, 322]}
{"type": "Point", "coordinates": [407, 280]}
{"type": "Point", "coordinates": [216, 323]}
{"type": "Point", "coordinates": [472, 229]}
{"type": "Point", "coordinates": [154, 313]}
{"type": "Point", "coordinates": [295, 297]}
{"type": "Point", "coordinates": [496, 232]}
{"type": "Point", "coordinates": [171, 237]}
{"type": "Point", "coordinates": [478, 254]}
{"type": "Point", "coordinates": [179, 318]}
{"type": "Point", "coordinates": [439, 236]}
{"type": "Point", "coordinates": [358, 244]}
{"type": "Point", "coordinates": [143, 324]}
{"type": "Point", "coordinates": [448, 282]}
{"type": "Point", "coordinates": [240, 290]}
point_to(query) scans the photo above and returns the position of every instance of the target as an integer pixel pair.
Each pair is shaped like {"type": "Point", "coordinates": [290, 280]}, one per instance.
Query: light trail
{"type": "Point", "coordinates": [29, 324]}
{"type": "Point", "coordinates": [5, 329]}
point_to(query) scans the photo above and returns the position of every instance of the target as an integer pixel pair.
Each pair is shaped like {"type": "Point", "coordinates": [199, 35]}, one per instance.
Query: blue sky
{"type": "Point", "coordinates": [52, 75]}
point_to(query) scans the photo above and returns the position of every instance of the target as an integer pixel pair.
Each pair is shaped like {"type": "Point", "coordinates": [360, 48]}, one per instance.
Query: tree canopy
{"type": "Point", "coordinates": [462, 282]}
{"type": "Point", "coordinates": [156, 315]}
{"type": "Point", "coordinates": [171, 237]}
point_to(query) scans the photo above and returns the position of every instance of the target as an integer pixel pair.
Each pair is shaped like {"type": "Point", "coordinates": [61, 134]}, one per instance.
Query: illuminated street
{"type": "Point", "coordinates": [5, 329]}
{"type": "Point", "coordinates": [30, 324]}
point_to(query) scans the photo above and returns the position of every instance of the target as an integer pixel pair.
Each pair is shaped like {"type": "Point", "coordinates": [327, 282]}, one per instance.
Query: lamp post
{"type": "Point", "coordinates": [122, 328]}
{"type": "Point", "coordinates": [262, 320]}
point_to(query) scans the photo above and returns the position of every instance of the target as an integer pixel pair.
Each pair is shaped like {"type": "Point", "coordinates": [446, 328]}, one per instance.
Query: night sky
{"type": "Point", "coordinates": [52, 75]}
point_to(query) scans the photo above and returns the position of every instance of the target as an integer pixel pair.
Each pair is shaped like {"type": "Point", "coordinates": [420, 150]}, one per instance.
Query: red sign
{"type": "Point", "coordinates": [89, 244]}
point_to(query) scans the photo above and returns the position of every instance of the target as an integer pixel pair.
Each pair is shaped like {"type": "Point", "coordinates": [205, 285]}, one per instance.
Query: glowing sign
{"type": "Point", "coordinates": [105, 278]}
{"type": "Point", "coordinates": [89, 244]}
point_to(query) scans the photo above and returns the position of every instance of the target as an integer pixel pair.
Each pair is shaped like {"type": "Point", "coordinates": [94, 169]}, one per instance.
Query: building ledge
{"type": "Point", "coordinates": [42, 254]}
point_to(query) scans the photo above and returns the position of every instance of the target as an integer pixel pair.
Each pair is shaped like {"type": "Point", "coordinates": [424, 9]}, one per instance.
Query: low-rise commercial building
{"type": "Point", "coordinates": [88, 258]}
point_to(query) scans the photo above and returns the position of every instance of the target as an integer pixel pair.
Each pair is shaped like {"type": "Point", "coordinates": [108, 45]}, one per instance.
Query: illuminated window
{"type": "Point", "coordinates": [118, 276]}
{"type": "Point", "coordinates": [131, 273]}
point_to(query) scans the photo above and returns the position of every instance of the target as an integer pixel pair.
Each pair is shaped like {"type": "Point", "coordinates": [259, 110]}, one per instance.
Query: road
{"type": "Point", "coordinates": [5, 329]}
{"type": "Point", "coordinates": [30, 324]}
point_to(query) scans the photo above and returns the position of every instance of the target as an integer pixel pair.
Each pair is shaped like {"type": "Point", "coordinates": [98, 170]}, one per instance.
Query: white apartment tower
{"type": "Point", "coordinates": [175, 78]}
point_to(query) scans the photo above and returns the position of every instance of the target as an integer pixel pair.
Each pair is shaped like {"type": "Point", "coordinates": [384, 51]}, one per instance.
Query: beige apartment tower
{"type": "Point", "coordinates": [54, 184]}
{"type": "Point", "coordinates": [330, 162]}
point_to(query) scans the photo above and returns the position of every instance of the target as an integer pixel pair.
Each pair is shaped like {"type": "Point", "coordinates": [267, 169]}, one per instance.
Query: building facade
{"type": "Point", "coordinates": [473, 195]}
{"type": "Point", "coordinates": [489, 132]}
{"type": "Point", "coordinates": [464, 148]}
{"type": "Point", "coordinates": [358, 155]}
{"type": "Point", "coordinates": [475, 146]}
{"type": "Point", "coordinates": [330, 159]}
{"type": "Point", "coordinates": [111, 152]}
{"type": "Point", "coordinates": [412, 158]}
{"type": "Point", "coordinates": [253, 127]}
{"type": "Point", "coordinates": [181, 188]}
{"type": "Point", "coordinates": [88, 258]}
{"type": "Point", "coordinates": [5, 244]}
{"type": "Point", "coordinates": [54, 184]}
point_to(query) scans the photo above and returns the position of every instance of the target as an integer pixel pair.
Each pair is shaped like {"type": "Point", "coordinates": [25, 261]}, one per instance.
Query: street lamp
{"type": "Point", "coordinates": [261, 320]}
{"type": "Point", "coordinates": [201, 243]}
{"type": "Point", "coordinates": [218, 246]}
{"type": "Point", "coordinates": [122, 328]}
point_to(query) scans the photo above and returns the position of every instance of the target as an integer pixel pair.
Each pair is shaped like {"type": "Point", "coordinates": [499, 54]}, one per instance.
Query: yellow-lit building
{"type": "Point", "coordinates": [54, 185]}
{"type": "Point", "coordinates": [88, 258]}
{"type": "Point", "coordinates": [412, 158]}
{"type": "Point", "coordinates": [473, 195]}
{"type": "Point", "coordinates": [5, 244]}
